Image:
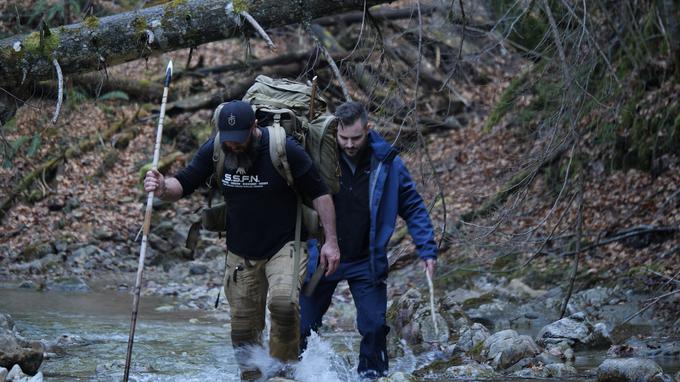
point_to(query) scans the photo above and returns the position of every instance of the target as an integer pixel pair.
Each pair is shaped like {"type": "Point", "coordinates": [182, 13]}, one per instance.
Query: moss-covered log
{"type": "Point", "coordinates": [97, 43]}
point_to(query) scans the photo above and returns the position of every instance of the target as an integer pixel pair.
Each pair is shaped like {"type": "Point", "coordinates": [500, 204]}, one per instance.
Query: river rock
{"type": "Point", "coordinates": [556, 353]}
{"type": "Point", "coordinates": [15, 374]}
{"type": "Point", "coordinates": [599, 338]}
{"type": "Point", "coordinates": [411, 320]}
{"type": "Point", "coordinates": [570, 329]}
{"type": "Point", "coordinates": [506, 347]}
{"type": "Point", "coordinates": [159, 243]}
{"type": "Point", "coordinates": [198, 269]}
{"type": "Point", "coordinates": [214, 251]}
{"type": "Point", "coordinates": [470, 337]}
{"type": "Point", "coordinates": [459, 296]}
{"type": "Point", "coordinates": [633, 347]}
{"type": "Point", "coordinates": [81, 254]}
{"type": "Point", "coordinates": [471, 370]}
{"type": "Point", "coordinates": [592, 300]}
{"type": "Point", "coordinates": [628, 370]}
{"type": "Point", "coordinates": [489, 311]}
{"type": "Point", "coordinates": [6, 323]}
{"type": "Point", "coordinates": [36, 251]}
{"type": "Point", "coordinates": [14, 353]}
{"type": "Point", "coordinates": [64, 341]}
{"type": "Point", "coordinates": [554, 370]}
{"type": "Point", "coordinates": [575, 330]}
{"type": "Point", "coordinates": [3, 374]}
{"type": "Point", "coordinates": [521, 289]}
{"type": "Point", "coordinates": [398, 377]}
{"type": "Point", "coordinates": [174, 232]}
{"type": "Point", "coordinates": [68, 284]}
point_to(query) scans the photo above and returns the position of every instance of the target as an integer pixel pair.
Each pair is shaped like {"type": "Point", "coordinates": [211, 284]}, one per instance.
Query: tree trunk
{"type": "Point", "coordinates": [669, 12]}
{"type": "Point", "coordinates": [97, 43]}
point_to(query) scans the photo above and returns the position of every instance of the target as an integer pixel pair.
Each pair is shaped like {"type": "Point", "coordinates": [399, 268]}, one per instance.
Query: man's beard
{"type": "Point", "coordinates": [243, 160]}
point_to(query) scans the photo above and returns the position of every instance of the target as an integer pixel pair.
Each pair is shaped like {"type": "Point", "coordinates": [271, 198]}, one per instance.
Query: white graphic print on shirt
{"type": "Point", "coordinates": [242, 180]}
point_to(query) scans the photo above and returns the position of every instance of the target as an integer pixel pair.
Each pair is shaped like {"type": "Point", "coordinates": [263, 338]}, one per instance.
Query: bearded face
{"type": "Point", "coordinates": [240, 156]}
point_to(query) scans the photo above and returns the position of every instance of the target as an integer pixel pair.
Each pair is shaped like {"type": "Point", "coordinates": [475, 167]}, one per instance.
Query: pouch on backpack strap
{"type": "Point", "coordinates": [214, 218]}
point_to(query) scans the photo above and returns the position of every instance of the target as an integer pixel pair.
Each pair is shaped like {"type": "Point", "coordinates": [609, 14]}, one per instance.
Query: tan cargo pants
{"type": "Point", "coordinates": [252, 285]}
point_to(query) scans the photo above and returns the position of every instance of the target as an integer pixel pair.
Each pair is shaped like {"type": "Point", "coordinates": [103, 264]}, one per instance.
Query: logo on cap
{"type": "Point", "coordinates": [231, 120]}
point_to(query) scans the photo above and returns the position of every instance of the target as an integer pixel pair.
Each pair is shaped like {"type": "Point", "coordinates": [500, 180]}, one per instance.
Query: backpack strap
{"type": "Point", "coordinates": [277, 152]}
{"type": "Point", "coordinates": [218, 161]}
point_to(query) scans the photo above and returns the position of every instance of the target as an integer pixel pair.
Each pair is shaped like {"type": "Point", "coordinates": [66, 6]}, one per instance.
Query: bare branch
{"type": "Point", "coordinates": [259, 29]}
{"type": "Point", "coordinates": [579, 235]}
{"type": "Point", "coordinates": [639, 312]}
{"type": "Point", "coordinates": [558, 42]}
{"type": "Point", "coordinates": [60, 97]}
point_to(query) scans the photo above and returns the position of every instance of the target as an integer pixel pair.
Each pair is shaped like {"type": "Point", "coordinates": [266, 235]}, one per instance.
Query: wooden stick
{"type": "Point", "coordinates": [147, 225]}
{"type": "Point", "coordinates": [311, 102]}
{"type": "Point", "coordinates": [432, 311]}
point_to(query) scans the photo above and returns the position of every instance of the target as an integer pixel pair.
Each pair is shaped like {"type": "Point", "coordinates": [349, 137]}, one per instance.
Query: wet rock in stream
{"type": "Point", "coordinates": [575, 330]}
{"type": "Point", "coordinates": [630, 370]}
{"type": "Point", "coordinates": [634, 347]}
{"type": "Point", "coordinates": [16, 351]}
{"type": "Point", "coordinates": [507, 347]}
{"type": "Point", "coordinates": [17, 375]}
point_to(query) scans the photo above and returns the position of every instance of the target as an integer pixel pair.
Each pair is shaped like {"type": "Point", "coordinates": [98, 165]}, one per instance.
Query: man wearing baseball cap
{"type": "Point", "coordinates": [261, 222]}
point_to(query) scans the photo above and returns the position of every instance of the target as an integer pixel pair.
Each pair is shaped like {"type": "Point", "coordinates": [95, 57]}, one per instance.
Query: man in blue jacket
{"type": "Point", "coordinates": [375, 187]}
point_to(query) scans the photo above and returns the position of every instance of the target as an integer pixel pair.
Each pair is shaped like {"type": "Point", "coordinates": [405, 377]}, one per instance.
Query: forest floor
{"type": "Point", "coordinates": [96, 197]}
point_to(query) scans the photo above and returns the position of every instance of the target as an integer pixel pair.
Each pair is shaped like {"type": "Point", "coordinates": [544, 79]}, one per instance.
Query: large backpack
{"type": "Point", "coordinates": [283, 107]}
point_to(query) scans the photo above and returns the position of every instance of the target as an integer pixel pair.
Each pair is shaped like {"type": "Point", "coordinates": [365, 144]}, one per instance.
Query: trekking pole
{"type": "Point", "coordinates": [311, 102]}
{"type": "Point", "coordinates": [432, 311]}
{"type": "Point", "coordinates": [147, 224]}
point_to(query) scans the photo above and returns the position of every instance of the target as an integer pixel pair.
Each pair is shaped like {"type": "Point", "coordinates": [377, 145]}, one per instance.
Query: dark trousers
{"type": "Point", "coordinates": [370, 299]}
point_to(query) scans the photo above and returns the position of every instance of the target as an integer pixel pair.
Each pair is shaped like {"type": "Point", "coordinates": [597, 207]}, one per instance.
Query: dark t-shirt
{"type": "Point", "coordinates": [352, 207]}
{"type": "Point", "coordinates": [261, 207]}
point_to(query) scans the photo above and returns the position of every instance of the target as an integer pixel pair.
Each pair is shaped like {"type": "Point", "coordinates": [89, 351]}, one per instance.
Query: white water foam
{"type": "Point", "coordinates": [321, 363]}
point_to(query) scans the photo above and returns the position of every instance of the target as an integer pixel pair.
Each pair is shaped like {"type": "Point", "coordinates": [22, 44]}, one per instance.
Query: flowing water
{"type": "Point", "coordinates": [178, 346]}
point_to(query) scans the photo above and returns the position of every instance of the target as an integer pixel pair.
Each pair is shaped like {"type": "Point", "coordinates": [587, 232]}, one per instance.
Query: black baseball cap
{"type": "Point", "coordinates": [234, 121]}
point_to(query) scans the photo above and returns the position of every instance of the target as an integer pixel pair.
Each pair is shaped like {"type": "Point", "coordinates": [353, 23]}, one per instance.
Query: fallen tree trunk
{"type": "Point", "coordinates": [95, 86]}
{"type": "Point", "coordinates": [97, 43]}
{"type": "Point", "coordinates": [378, 14]}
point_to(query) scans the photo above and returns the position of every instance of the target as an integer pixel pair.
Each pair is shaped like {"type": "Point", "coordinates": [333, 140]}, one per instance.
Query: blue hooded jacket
{"type": "Point", "coordinates": [392, 192]}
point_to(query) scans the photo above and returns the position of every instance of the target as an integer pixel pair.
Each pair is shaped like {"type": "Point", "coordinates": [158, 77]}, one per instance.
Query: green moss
{"type": "Point", "coordinates": [91, 22]}
{"type": "Point", "coordinates": [391, 314]}
{"type": "Point", "coordinates": [140, 24]}
{"type": "Point", "coordinates": [240, 6]}
{"type": "Point", "coordinates": [458, 277]}
{"type": "Point", "coordinates": [530, 31]}
{"type": "Point", "coordinates": [506, 102]}
{"type": "Point", "coordinates": [476, 302]}
{"type": "Point", "coordinates": [505, 261]}
{"type": "Point", "coordinates": [439, 366]}
{"type": "Point", "coordinates": [202, 131]}
{"type": "Point", "coordinates": [10, 125]}
{"type": "Point", "coordinates": [545, 275]}
{"type": "Point", "coordinates": [476, 350]}
{"type": "Point", "coordinates": [174, 4]}
{"type": "Point", "coordinates": [36, 251]}
{"type": "Point", "coordinates": [32, 44]}
{"type": "Point", "coordinates": [171, 12]}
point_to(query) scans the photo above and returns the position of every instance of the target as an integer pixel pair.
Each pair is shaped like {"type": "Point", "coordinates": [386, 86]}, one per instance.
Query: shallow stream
{"type": "Point", "coordinates": [178, 346]}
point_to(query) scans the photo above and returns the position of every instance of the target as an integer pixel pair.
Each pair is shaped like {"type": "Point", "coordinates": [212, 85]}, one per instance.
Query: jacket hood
{"type": "Point", "coordinates": [381, 149]}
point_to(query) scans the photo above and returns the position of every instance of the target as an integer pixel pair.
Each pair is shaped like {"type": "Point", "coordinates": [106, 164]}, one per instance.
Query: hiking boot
{"type": "Point", "coordinates": [370, 375]}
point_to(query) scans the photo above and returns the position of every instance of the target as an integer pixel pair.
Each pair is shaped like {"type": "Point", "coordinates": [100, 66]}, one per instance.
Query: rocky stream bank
{"type": "Point", "coordinates": [489, 327]}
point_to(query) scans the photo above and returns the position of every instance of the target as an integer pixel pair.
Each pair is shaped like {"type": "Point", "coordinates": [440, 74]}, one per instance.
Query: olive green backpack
{"type": "Point", "coordinates": [285, 108]}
